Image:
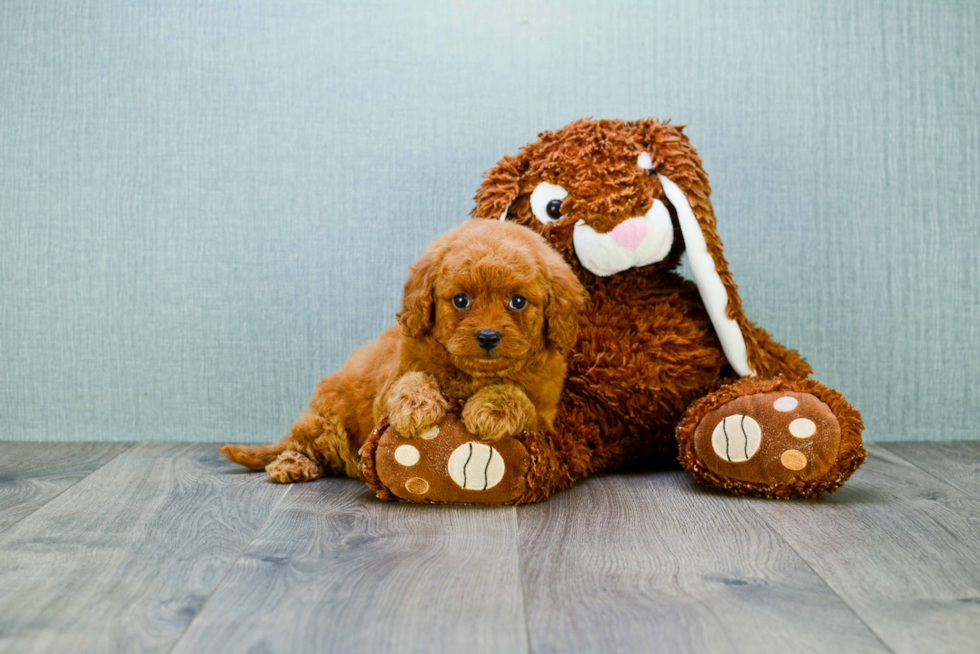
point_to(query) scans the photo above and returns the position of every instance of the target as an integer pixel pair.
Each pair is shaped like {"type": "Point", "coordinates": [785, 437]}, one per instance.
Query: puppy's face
{"type": "Point", "coordinates": [493, 295]}
{"type": "Point", "coordinates": [489, 308]}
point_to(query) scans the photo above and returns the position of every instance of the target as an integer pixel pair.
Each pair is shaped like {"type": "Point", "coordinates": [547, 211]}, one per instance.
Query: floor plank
{"type": "Point", "coordinates": [955, 462]}
{"type": "Point", "coordinates": [335, 570]}
{"type": "Point", "coordinates": [32, 474]}
{"type": "Point", "coordinates": [643, 562]}
{"type": "Point", "coordinates": [899, 546]}
{"type": "Point", "coordinates": [123, 560]}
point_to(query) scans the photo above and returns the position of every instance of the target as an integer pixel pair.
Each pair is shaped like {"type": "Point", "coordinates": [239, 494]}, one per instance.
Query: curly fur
{"type": "Point", "coordinates": [410, 369]}
{"type": "Point", "coordinates": [291, 466]}
{"type": "Point", "coordinates": [498, 411]}
{"type": "Point", "coordinates": [415, 403]}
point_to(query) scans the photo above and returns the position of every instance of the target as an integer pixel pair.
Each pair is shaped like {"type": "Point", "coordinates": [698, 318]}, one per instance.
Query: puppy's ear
{"type": "Point", "coordinates": [565, 301]}
{"type": "Point", "coordinates": [500, 187]}
{"type": "Point", "coordinates": [416, 315]}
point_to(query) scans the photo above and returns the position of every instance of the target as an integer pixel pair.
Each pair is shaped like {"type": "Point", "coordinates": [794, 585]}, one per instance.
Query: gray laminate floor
{"type": "Point", "coordinates": [166, 547]}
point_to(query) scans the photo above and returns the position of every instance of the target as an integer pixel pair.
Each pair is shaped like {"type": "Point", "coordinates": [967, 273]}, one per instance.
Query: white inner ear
{"type": "Point", "coordinates": [503, 216]}
{"type": "Point", "coordinates": [712, 290]}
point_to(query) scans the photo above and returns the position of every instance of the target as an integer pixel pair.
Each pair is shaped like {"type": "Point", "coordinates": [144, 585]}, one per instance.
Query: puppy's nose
{"type": "Point", "coordinates": [487, 338]}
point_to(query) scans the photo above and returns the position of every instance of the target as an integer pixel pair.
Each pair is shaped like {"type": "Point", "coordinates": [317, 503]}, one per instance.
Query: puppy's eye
{"type": "Point", "coordinates": [546, 202]}
{"type": "Point", "coordinates": [518, 302]}
{"type": "Point", "coordinates": [461, 301]}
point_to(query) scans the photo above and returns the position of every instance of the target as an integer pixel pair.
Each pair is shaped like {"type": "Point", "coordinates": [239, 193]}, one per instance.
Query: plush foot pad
{"type": "Point", "coordinates": [781, 437]}
{"type": "Point", "coordinates": [291, 467]}
{"type": "Point", "coordinates": [445, 465]}
{"type": "Point", "coordinates": [772, 438]}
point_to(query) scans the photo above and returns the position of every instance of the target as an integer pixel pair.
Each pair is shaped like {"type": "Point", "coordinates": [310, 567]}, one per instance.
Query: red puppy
{"type": "Point", "coordinates": [488, 314]}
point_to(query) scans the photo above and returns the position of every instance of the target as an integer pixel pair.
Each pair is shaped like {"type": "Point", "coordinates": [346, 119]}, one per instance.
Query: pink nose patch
{"type": "Point", "coordinates": [630, 233]}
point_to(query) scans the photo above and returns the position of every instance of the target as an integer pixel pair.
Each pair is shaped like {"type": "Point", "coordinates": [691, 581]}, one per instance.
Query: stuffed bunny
{"type": "Point", "coordinates": [664, 368]}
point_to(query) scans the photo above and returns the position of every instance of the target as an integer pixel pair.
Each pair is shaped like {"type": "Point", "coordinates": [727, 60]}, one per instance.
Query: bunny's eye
{"type": "Point", "coordinates": [546, 202]}
{"type": "Point", "coordinates": [461, 301]}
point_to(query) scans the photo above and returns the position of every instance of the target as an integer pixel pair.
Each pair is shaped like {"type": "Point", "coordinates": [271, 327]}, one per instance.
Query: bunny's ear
{"type": "Point", "coordinates": [500, 187]}
{"type": "Point", "coordinates": [686, 186]}
{"type": "Point", "coordinates": [711, 274]}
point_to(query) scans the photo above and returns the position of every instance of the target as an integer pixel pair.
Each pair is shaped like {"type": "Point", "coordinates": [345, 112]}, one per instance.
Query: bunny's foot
{"type": "Point", "coordinates": [446, 465]}
{"type": "Point", "coordinates": [772, 438]}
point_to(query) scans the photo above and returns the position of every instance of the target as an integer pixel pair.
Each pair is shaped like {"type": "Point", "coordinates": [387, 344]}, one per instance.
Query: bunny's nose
{"type": "Point", "coordinates": [487, 338]}
{"type": "Point", "coordinates": [630, 233]}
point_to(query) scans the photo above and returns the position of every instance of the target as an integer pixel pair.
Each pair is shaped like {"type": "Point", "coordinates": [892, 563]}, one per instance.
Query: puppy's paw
{"type": "Point", "coordinates": [415, 404]}
{"type": "Point", "coordinates": [498, 411]}
{"type": "Point", "coordinates": [291, 467]}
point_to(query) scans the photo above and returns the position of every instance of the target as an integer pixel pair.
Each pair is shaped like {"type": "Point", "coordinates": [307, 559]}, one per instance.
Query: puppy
{"type": "Point", "coordinates": [488, 314]}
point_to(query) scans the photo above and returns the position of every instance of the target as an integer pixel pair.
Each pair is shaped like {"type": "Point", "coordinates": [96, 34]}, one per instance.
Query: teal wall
{"type": "Point", "coordinates": [205, 206]}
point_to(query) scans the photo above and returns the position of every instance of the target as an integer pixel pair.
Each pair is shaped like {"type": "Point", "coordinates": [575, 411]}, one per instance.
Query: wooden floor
{"type": "Point", "coordinates": [162, 547]}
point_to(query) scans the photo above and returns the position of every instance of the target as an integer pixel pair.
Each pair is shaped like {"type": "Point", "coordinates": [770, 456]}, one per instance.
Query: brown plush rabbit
{"type": "Point", "coordinates": [663, 366]}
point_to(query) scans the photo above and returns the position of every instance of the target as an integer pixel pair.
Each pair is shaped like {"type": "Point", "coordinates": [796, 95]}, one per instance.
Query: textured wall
{"type": "Point", "coordinates": [204, 209]}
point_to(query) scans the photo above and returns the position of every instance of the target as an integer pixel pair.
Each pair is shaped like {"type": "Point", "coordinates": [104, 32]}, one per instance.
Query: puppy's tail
{"type": "Point", "coordinates": [255, 457]}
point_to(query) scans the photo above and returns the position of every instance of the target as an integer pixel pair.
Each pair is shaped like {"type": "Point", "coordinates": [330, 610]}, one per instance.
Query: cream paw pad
{"type": "Point", "coordinates": [446, 465]}
{"type": "Point", "coordinates": [782, 437]}
{"type": "Point", "coordinates": [476, 466]}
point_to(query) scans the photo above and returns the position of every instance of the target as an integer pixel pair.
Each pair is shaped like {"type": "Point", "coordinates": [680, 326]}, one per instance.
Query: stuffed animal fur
{"type": "Point", "coordinates": [664, 368]}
